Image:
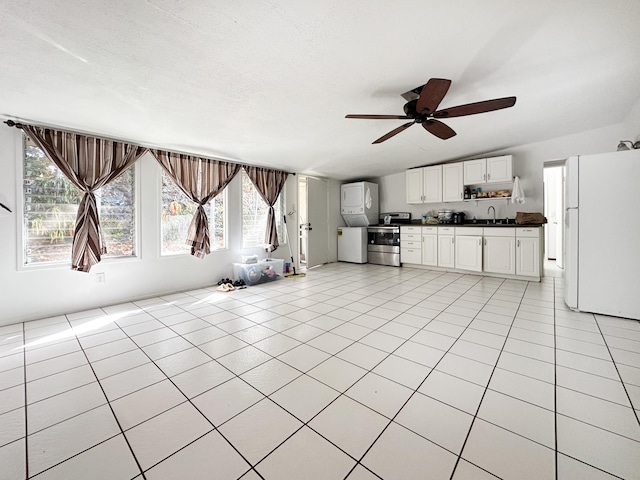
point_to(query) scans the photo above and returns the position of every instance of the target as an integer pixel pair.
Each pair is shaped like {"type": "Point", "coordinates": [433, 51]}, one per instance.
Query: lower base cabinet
{"type": "Point", "coordinates": [468, 254]}
{"type": "Point", "coordinates": [446, 251]}
{"type": "Point", "coordinates": [430, 246]}
{"type": "Point", "coordinates": [500, 254]}
{"type": "Point", "coordinates": [528, 256]}
{"type": "Point", "coordinates": [501, 251]}
{"type": "Point", "coordinates": [410, 255]}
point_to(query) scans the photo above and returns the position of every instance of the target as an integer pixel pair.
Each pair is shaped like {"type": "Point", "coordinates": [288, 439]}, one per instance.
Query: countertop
{"type": "Point", "coordinates": [479, 223]}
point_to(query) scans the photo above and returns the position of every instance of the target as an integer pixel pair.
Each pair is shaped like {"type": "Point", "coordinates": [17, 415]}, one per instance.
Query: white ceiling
{"type": "Point", "coordinates": [268, 82]}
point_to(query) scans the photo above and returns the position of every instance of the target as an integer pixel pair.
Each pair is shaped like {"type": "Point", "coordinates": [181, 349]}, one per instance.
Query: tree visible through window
{"type": "Point", "coordinates": [51, 204]}
{"type": "Point", "coordinates": [254, 215]}
{"type": "Point", "coordinates": [177, 212]}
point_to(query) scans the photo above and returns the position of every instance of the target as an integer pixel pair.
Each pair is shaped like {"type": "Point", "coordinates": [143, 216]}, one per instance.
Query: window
{"type": "Point", "coordinates": [51, 204]}
{"type": "Point", "coordinates": [177, 212]}
{"type": "Point", "coordinates": [254, 215]}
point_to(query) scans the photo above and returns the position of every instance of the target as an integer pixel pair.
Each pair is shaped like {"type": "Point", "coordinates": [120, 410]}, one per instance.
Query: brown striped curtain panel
{"type": "Point", "coordinates": [269, 184]}
{"type": "Point", "coordinates": [201, 179]}
{"type": "Point", "coordinates": [89, 163]}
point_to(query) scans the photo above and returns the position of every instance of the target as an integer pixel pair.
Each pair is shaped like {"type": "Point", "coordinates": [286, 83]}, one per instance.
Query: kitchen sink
{"type": "Point", "coordinates": [488, 222]}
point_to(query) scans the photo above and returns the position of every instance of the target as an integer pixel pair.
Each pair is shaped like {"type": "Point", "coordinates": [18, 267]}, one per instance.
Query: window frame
{"type": "Point", "coordinates": [279, 222]}
{"type": "Point", "coordinates": [20, 149]}
{"type": "Point", "coordinates": [187, 253]}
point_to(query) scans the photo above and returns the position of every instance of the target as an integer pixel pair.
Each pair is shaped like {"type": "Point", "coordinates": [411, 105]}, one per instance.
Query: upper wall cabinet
{"type": "Point", "coordinates": [452, 175]}
{"type": "Point", "coordinates": [424, 185]}
{"type": "Point", "coordinates": [488, 170]}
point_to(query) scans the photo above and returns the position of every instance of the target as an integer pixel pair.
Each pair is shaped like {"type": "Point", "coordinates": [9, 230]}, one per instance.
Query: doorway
{"type": "Point", "coordinates": [313, 198]}
{"type": "Point", "coordinates": [554, 178]}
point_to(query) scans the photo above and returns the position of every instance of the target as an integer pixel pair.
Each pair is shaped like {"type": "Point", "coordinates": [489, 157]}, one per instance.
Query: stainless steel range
{"type": "Point", "coordinates": [383, 240]}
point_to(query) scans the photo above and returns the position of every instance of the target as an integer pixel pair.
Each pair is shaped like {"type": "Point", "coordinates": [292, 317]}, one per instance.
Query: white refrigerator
{"type": "Point", "coordinates": [352, 244]}
{"type": "Point", "coordinates": [602, 236]}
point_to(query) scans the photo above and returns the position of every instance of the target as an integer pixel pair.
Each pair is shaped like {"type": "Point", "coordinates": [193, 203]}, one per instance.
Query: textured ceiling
{"type": "Point", "coordinates": [268, 82]}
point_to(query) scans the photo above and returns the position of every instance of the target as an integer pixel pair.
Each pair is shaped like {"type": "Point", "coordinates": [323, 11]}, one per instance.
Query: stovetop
{"type": "Point", "coordinates": [395, 219]}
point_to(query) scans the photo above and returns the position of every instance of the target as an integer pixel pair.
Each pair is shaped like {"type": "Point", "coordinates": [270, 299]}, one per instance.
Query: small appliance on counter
{"type": "Point", "coordinates": [445, 216]}
{"type": "Point", "coordinates": [458, 218]}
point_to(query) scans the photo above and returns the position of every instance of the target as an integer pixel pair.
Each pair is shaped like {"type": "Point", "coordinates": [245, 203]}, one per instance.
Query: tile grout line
{"type": "Point", "coordinates": [353, 342]}
{"type": "Point", "coordinates": [110, 407]}
{"type": "Point", "coordinates": [555, 383]}
{"type": "Point", "coordinates": [633, 409]}
{"type": "Point", "coordinates": [26, 417]}
{"type": "Point", "coordinates": [341, 394]}
{"type": "Point", "coordinates": [428, 374]}
{"type": "Point", "coordinates": [475, 416]}
{"type": "Point", "coordinates": [188, 400]}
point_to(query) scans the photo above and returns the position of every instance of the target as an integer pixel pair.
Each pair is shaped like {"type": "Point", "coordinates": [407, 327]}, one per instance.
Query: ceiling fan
{"type": "Point", "coordinates": [422, 108]}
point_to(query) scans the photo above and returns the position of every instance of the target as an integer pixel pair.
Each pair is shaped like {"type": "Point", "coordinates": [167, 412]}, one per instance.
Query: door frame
{"type": "Point", "coordinates": [303, 208]}
{"type": "Point", "coordinates": [557, 168]}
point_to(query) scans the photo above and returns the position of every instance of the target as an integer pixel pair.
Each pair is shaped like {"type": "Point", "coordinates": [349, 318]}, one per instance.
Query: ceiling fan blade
{"type": "Point", "coordinates": [379, 117]}
{"type": "Point", "coordinates": [477, 107]}
{"type": "Point", "coordinates": [438, 128]}
{"type": "Point", "coordinates": [393, 132]}
{"type": "Point", "coordinates": [432, 94]}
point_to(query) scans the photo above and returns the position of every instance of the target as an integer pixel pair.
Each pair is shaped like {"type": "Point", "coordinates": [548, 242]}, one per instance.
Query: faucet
{"type": "Point", "coordinates": [494, 212]}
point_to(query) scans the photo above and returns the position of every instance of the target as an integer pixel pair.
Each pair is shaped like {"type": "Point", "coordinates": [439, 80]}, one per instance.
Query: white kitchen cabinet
{"type": "Point", "coordinates": [411, 255]}
{"type": "Point", "coordinates": [488, 170]}
{"type": "Point", "coordinates": [424, 185]}
{"type": "Point", "coordinates": [475, 171]}
{"type": "Point", "coordinates": [414, 185]}
{"type": "Point", "coordinates": [452, 182]}
{"type": "Point", "coordinates": [411, 244]}
{"type": "Point", "coordinates": [499, 250]}
{"type": "Point", "coordinates": [528, 253]}
{"type": "Point", "coordinates": [446, 247]}
{"type": "Point", "coordinates": [430, 246]}
{"type": "Point", "coordinates": [468, 249]}
{"type": "Point", "coordinates": [500, 169]}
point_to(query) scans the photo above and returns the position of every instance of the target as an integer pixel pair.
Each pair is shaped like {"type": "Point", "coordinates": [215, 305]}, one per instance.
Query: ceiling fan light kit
{"type": "Point", "coordinates": [422, 107]}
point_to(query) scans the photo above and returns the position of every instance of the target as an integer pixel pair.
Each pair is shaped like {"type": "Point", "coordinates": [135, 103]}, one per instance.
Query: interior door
{"type": "Point", "coordinates": [317, 225]}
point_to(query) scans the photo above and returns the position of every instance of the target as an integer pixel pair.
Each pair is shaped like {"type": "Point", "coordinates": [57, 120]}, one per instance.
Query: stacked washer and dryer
{"type": "Point", "coordinates": [359, 208]}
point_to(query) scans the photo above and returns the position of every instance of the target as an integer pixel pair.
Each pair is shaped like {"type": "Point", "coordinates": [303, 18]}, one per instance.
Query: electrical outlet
{"type": "Point", "coordinates": [100, 278]}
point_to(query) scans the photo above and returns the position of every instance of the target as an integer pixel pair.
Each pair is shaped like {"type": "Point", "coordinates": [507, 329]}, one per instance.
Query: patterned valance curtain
{"type": "Point", "coordinates": [89, 163]}
{"type": "Point", "coordinates": [201, 179]}
{"type": "Point", "coordinates": [269, 184]}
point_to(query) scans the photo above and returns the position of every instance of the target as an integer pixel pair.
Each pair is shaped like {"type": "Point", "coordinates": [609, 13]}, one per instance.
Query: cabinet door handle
{"type": "Point", "coordinates": [488, 176]}
{"type": "Point", "coordinates": [518, 243]}
{"type": "Point", "coordinates": [485, 241]}
{"type": "Point", "coordinates": [460, 195]}
{"type": "Point", "coordinates": [452, 238]}
{"type": "Point", "coordinates": [484, 177]}
{"type": "Point", "coordinates": [480, 241]}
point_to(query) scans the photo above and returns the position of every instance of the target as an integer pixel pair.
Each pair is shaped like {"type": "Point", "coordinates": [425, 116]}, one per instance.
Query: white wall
{"type": "Point", "coordinates": [38, 292]}
{"type": "Point", "coordinates": [528, 165]}
{"type": "Point", "coordinates": [41, 292]}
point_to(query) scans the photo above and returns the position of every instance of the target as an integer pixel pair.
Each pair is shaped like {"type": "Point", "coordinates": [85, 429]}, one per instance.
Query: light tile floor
{"type": "Point", "coordinates": [354, 371]}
